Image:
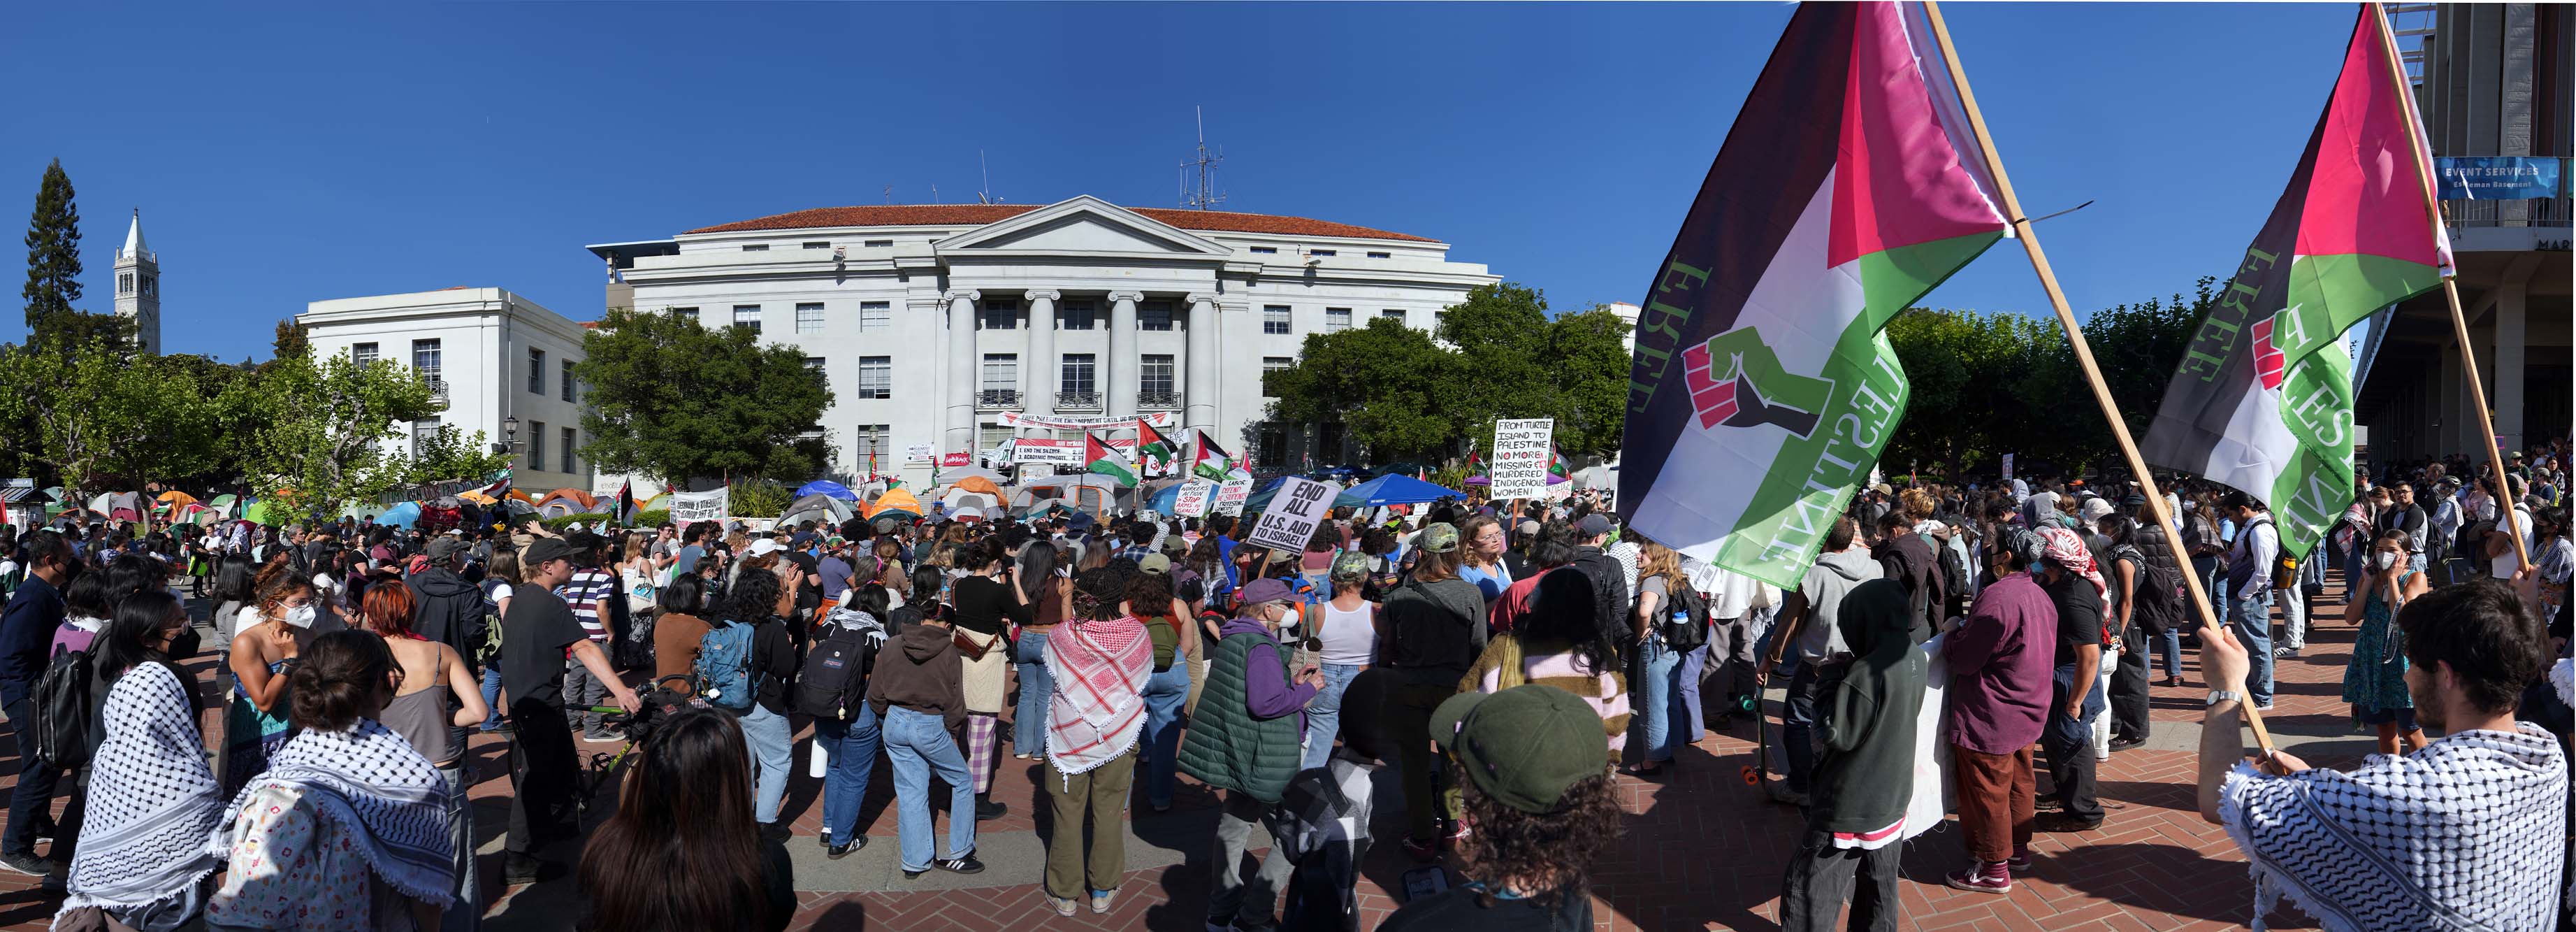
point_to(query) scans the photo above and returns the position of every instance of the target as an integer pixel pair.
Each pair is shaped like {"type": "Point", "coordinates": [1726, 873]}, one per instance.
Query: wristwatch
{"type": "Point", "coordinates": [2217, 696]}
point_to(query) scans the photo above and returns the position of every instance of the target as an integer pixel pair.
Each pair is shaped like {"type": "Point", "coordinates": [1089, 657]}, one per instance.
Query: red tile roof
{"type": "Point", "coordinates": [906, 215]}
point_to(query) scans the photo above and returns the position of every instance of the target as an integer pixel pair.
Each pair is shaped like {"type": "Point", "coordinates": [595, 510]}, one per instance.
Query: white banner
{"type": "Point", "coordinates": [916, 453]}
{"type": "Point", "coordinates": [1518, 466]}
{"type": "Point", "coordinates": [1016, 419]}
{"type": "Point", "coordinates": [1028, 451]}
{"type": "Point", "coordinates": [1291, 518]}
{"type": "Point", "coordinates": [1192, 500]}
{"type": "Point", "coordinates": [1231, 495]}
{"type": "Point", "coordinates": [700, 506]}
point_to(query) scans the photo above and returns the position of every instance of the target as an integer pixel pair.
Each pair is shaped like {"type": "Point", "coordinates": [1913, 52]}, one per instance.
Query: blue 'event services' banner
{"type": "Point", "coordinates": [2498, 177]}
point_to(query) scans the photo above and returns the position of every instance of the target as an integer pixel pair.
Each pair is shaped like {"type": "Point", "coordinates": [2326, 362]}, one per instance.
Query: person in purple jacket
{"type": "Point", "coordinates": [2001, 657]}
{"type": "Point", "coordinates": [1245, 740]}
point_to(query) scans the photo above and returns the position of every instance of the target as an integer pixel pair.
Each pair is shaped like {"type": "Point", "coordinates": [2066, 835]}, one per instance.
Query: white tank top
{"type": "Point", "coordinates": [1349, 637]}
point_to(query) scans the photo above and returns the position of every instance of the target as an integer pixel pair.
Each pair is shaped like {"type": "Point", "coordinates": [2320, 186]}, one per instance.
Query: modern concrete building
{"type": "Point", "coordinates": [959, 326]}
{"type": "Point", "coordinates": [2498, 88]}
{"type": "Point", "coordinates": [497, 362]}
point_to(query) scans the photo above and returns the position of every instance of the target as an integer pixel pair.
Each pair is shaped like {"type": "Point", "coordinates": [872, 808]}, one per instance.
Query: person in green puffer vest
{"type": "Point", "coordinates": [1247, 740]}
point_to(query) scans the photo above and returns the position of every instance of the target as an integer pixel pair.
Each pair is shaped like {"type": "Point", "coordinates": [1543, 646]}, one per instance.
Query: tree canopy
{"type": "Point", "coordinates": [675, 400]}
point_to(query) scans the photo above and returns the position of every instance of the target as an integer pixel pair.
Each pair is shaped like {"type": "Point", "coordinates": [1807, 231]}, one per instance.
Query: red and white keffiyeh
{"type": "Point", "coordinates": [2066, 548]}
{"type": "Point", "coordinates": [1100, 668]}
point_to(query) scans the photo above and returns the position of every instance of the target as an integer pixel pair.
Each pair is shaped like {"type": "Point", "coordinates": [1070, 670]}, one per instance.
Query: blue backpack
{"type": "Point", "coordinates": [724, 666]}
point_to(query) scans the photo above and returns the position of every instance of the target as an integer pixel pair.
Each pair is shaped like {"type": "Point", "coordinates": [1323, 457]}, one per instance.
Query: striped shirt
{"type": "Point", "coordinates": [586, 591]}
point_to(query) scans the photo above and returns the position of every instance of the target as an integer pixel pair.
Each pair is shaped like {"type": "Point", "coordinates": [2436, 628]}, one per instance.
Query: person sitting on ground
{"type": "Point", "coordinates": [682, 854]}
{"type": "Point", "coordinates": [152, 801]}
{"type": "Point", "coordinates": [1864, 769]}
{"type": "Point", "coordinates": [2466, 833]}
{"type": "Point", "coordinates": [348, 827]}
{"type": "Point", "coordinates": [1542, 804]}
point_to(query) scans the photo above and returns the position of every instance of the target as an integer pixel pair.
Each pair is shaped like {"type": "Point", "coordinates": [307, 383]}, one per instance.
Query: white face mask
{"type": "Point", "coordinates": [2189, 506]}
{"type": "Point", "coordinates": [2383, 560]}
{"type": "Point", "coordinates": [1288, 621]}
{"type": "Point", "coordinates": [300, 616]}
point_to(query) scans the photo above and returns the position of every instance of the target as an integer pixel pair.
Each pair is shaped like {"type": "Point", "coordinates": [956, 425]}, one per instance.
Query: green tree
{"type": "Point", "coordinates": [53, 251]}
{"type": "Point", "coordinates": [291, 341]}
{"type": "Point", "coordinates": [99, 421]}
{"type": "Point", "coordinates": [321, 429]}
{"type": "Point", "coordinates": [674, 400]}
{"type": "Point", "coordinates": [1386, 383]}
{"type": "Point", "coordinates": [449, 455]}
{"type": "Point", "coordinates": [759, 498]}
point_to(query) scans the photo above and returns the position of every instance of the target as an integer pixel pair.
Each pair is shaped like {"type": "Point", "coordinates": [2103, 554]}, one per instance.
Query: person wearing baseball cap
{"type": "Point", "coordinates": [539, 627]}
{"type": "Point", "coordinates": [1538, 790]}
{"type": "Point", "coordinates": [1247, 739]}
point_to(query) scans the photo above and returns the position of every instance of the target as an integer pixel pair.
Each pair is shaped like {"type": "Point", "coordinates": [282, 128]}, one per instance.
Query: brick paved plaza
{"type": "Point", "coordinates": [1701, 849]}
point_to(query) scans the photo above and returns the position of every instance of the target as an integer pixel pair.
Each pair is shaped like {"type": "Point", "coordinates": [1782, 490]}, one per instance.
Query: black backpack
{"type": "Point", "coordinates": [1687, 634]}
{"type": "Point", "coordinates": [834, 679]}
{"type": "Point", "coordinates": [2158, 593]}
{"type": "Point", "coordinates": [64, 712]}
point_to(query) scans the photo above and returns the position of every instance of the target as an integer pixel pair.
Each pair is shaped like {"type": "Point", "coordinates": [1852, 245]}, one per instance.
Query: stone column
{"type": "Point", "coordinates": [1199, 395]}
{"type": "Point", "coordinates": [1118, 385]}
{"type": "Point", "coordinates": [2511, 339]}
{"type": "Point", "coordinates": [1041, 370]}
{"type": "Point", "coordinates": [958, 428]}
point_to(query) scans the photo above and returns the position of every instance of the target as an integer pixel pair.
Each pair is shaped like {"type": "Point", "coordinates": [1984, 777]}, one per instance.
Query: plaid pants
{"type": "Point", "coordinates": [980, 730]}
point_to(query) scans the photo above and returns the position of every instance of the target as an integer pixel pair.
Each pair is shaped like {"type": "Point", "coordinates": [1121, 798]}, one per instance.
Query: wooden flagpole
{"type": "Point", "coordinates": [2075, 338]}
{"type": "Point", "coordinates": [2451, 291]}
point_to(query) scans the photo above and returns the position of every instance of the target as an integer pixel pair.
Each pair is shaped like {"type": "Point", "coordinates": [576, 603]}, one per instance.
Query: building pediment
{"type": "Point", "coordinates": [1085, 226]}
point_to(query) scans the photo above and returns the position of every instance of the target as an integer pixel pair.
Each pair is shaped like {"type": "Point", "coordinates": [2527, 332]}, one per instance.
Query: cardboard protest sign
{"type": "Point", "coordinates": [1520, 460]}
{"type": "Point", "coordinates": [1293, 514]}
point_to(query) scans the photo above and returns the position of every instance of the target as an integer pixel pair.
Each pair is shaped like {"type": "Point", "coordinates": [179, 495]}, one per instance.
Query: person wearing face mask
{"type": "Point", "coordinates": [1246, 741]}
{"type": "Point", "coordinates": [2375, 682]}
{"type": "Point", "coordinates": [34, 613]}
{"type": "Point", "coordinates": [273, 631]}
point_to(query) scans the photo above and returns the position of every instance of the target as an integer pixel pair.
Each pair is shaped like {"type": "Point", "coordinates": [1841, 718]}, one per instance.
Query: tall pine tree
{"type": "Point", "coordinates": [53, 251]}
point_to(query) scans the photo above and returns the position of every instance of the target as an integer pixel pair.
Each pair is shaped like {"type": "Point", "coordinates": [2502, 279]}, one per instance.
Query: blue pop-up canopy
{"type": "Point", "coordinates": [1393, 489]}
{"type": "Point", "coordinates": [827, 487]}
{"type": "Point", "coordinates": [402, 514]}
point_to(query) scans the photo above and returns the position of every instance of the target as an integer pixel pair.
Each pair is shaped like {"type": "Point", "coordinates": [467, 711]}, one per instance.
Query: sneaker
{"type": "Point", "coordinates": [2263, 707]}
{"type": "Point", "coordinates": [842, 850]}
{"type": "Point", "coordinates": [519, 868]}
{"type": "Point", "coordinates": [605, 737]}
{"type": "Point", "coordinates": [987, 810]}
{"type": "Point", "coordinates": [1420, 849]}
{"type": "Point", "coordinates": [1100, 901]}
{"type": "Point", "coordinates": [26, 862]}
{"type": "Point", "coordinates": [2127, 744]}
{"type": "Point", "coordinates": [1982, 878]}
{"type": "Point", "coordinates": [2062, 822]}
{"type": "Point", "coordinates": [964, 865]}
{"type": "Point", "coordinates": [1063, 907]}
{"type": "Point", "coordinates": [2019, 863]}
{"type": "Point", "coordinates": [2280, 653]}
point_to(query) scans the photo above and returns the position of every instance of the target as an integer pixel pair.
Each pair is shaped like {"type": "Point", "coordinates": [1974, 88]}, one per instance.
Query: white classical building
{"type": "Point", "coordinates": [956, 326]}
{"type": "Point", "coordinates": [496, 361]}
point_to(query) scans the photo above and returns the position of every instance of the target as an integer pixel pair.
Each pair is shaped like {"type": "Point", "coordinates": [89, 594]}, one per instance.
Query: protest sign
{"type": "Point", "coordinates": [2008, 464]}
{"type": "Point", "coordinates": [916, 453]}
{"type": "Point", "coordinates": [1192, 500]}
{"type": "Point", "coordinates": [700, 506]}
{"type": "Point", "coordinates": [1231, 495]}
{"type": "Point", "coordinates": [1290, 521]}
{"type": "Point", "coordinates": [1519, 463]}
{"type": "Point", "coordinates": [959, 458]}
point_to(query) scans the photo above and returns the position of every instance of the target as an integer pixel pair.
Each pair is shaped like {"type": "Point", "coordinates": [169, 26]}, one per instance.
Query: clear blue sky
{"type": "Point", "coordinates": [287, 154]}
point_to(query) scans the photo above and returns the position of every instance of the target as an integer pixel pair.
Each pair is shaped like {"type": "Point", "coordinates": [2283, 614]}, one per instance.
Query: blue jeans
{"type": "Point", "coordinates": [766, 733]}
{"type": "Point", "coordinates": [1653, 700]}
{"type": "Point", "coordinates": [2213, 583]}
{"type": "Point", "coordinates": [1686, 707]}
{"type": "Point", "coordinates": [2169, 647]}
{"type": "Point", "coordinates": [1037, 688]}
{"type": "Point", "coordinates": [467, 914]}
{"type": "Point", "coordinates": [1324, 713]}
{"type": "Point", "coordinates": [853, 746]}
{"type": "Point", "coordinates": [492, 696]}
{"type": "Point", "coordinates": [918, 746]}
{"type": "Point", "coordinates": [2252, 626]}
{"type": "Point", "coordinates": [1165, 694]}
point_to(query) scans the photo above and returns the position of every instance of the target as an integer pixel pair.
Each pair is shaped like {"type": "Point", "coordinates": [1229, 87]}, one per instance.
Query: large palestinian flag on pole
{"type": "Point", "coordinates": [2262, 400]}
{"type": "Point", "coordinates": [1210, 460]}
{"type": "Point", "coordinates": [1103, 459]}
{"type": "Point", "coordinates": [1762, 390]}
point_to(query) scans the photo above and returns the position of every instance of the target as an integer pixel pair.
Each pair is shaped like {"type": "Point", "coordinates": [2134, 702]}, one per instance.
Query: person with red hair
{"type": "Point", "coordinates": [428, 711]}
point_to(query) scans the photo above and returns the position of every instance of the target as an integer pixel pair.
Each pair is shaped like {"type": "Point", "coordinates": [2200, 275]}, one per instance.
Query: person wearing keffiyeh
{"type": "Point", "coordinates": [2075, 588]}
{"type": "Point", "coordinates": [1100, 662]}
{"type": "Point", "coordinates": [141, 858]}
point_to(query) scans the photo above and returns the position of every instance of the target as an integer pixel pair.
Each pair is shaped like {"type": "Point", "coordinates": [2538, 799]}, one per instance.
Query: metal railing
{"type": "Point", "coordinates": [438, 392]}
{"type": "Point", "coordinates": [997, 398]}
{"type": "Point", "coordinates": [2533, 212]}
{"type": "Point", "coordinates": [1077, 401]}
{"type": "Point", "coordinates": [1158, 399]}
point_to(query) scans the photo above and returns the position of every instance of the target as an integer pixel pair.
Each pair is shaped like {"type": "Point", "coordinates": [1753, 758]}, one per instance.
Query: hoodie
{"type": "Point", "coordinates": [922, 673]}
{"type": "Point", "coordinates": [1865, 722]}
{"type": "Point", "coordinates": [1820, 636]}
{"type": "Point", "coordinates": [448, 610]}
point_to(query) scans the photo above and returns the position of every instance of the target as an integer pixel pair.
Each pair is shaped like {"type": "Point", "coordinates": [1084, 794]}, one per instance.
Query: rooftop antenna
{"type": "Point", "coordinates": [934, 194]}
{"type": "Point", "coordinates": [985, 196]}
{"type": "Point", "coordinates": [1204, 195]}
{"type": "Point", "coordinates": [889, 194]}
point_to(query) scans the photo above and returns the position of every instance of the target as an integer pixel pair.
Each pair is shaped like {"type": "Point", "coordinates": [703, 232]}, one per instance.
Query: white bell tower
{"type": "Point", "coordinates": [138, 287]}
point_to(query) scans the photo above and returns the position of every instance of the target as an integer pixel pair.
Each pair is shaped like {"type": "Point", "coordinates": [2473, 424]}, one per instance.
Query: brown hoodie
{"type": "Point", "coordinates": [923, 673]}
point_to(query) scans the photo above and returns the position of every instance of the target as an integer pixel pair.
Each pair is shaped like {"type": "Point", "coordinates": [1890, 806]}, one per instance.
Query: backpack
{"type": "Point", "coordinates": [1685, 622]}
{"type": "Point", "coordinates": [2158, 594]}
{"type": "Point", "coordinates": [834, 679]}
{"type": "Point", "coordinates": [724, 666]}
{"type": "Point", "coordinates": [1166, 635]}
{"type": "Point", "coordinates": [63, 723]}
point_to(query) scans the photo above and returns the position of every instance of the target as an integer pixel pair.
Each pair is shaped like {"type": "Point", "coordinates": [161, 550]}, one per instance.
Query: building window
{"type": "Point", "coordinates": [1270, 364]}
{"type": "Point", "coordinates": [1079, 369]}
{"type": "Point", "coordinates": [748, 247]}
{"type": "Point", "coordinates": [1154, 315]}
{"type": "Point", "coordinates": [747, 315]}
{"type": "Point", "coordinates": [809, 318]}
{"type": "Point", "coordinates": [424, 357]}
{"type": "Point", "coordinates": [1381, 255]}
{"type": "Point", "coordinates": [1320, 252]}
{"type": "Point", "coordinates": [1076, 315]}
{"type": "Point", "coordinates": [1154, 375]}
{"type": "Point", "coordinates": [868, 448]}
{"type": "Point", "coordinates": [148, 289]}
{"type": "Point", "coordinates": [1001, 314]}
{"type": "Point", "coordinates": [1001, 372]}
{"type": "Point", "coordinates": [821, 245]}
{"type": "Point", "coordinates": [1273, 448]}
{"type": "Point", "coordinates": [1274, 318]}
{"type": "Point", "coordinates": [1393, 313]}
{"type": "Point", "coordinates": [567, 380]}
{"type": "Point", "coordinates": [537, 445]}
{"type": "Point", "coordinates": [989, 436]}
{"type": "Point", "coordinates": [568, 445]}
{"type": "Point", "coordinates": [689, 312]}
{"type": "Point", "coordinates": [814, 363]}
{"type": "Point", "coordinates": [876, 243]}
{"type": "Point", "coordinates": [876, 376]}
{"type": "Point", "coordinates": [875, 316]}
{"type": "Point", "coordinates": [536, 371]}
{"type": "Point", "coordinates": [1265, 250]}
{"type": "Point", "coordinates": [423, 432]}
{"type": "Point", "coordinates": [1337, 318]}
{"type": "Point", "coordinates": [124, 283]}
{"type": "Point", "coordinates": [362, 353]}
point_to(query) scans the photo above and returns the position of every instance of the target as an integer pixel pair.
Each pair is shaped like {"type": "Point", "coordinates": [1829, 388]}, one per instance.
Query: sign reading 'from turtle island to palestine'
{"type": "Point", "coordinates": [1520, 458]}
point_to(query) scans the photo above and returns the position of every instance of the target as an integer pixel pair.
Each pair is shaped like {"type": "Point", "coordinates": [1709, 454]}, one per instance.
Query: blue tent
{"type": "Point", "coordinates": [1166, 501]}
{"type": "Point", "coordinates": [402, 514]}
{"type": "Point", "coordinates": [1393, 489]}
{"type": "Point", "coordinates": [826, 487]}
{"type": "Point", "coordinates": [1259, 500]}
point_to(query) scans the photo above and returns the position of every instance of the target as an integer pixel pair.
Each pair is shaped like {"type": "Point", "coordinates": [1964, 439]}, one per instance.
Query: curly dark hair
{"type": "Point", "coordinates": [1545, 855]}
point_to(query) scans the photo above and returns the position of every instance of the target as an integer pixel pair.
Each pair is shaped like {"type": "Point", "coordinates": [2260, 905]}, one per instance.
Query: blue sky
{"type": "Point", "coordinates": [288, 154]}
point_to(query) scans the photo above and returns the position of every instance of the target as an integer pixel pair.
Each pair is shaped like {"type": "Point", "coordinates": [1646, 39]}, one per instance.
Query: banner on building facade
{"type": "Point", "coordinates": [1040, 451]}
{"type": "Point", "coordinates": [1017, 419]}
{"type": "Point", "coordinates": [959, 458]}
{"type": "Point", "coordinates": [916, 453]}
{"type": "Point", "coordinates": [1290, 520]}
{"type": "Point", "coordinates": [1520, 458]}
{"type": "Point", "coordinates": [1231, 495]}
{"type": "Point", "coordinates": [700, 506]}
{"type": "Point", "coordinates": [2498, 177]}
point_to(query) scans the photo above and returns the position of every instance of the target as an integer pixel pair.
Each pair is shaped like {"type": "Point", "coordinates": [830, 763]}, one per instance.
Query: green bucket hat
{"type": "Point", "coordinates": [1350, 566]}
{"type": "Point", "coordinates": [1439, 537]}
{"type": "Point", "coordinates": [1525, 745]}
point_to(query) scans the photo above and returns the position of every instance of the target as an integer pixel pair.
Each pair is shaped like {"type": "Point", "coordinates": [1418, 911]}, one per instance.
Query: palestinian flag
{"type": "Point", "coordinates": [1557, 465]}
{"type": "Point", "coordinates": [1211, 460]}
{"type": "Point", "coordinates": [1762, 390]}
{"type": "Point", "coordinates": [626, 504]}
{"type": "Point", "coordinates": [2263, 398]}
{"type": "Point", "coordinates": [1098, 457]}
{"type": "Point", "coordinates": [1151, 444]}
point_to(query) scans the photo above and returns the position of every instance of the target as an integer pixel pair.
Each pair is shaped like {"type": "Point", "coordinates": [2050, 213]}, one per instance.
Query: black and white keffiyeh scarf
{"type": "Point", "coordinates": [152, 799]}
{"type": "Point", "coordinates": [2466, 834]}
{"type": "Point", "coordinates": [368, 777]}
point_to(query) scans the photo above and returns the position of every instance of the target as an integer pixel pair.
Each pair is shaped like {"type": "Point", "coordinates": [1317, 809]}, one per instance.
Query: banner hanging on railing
{"type": "Point", "coordinates": [2499, 177]}
{"type": "Point", "coordinates": [700, 506]}
{"type": "Point", "coordinates": [1017, 419]}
